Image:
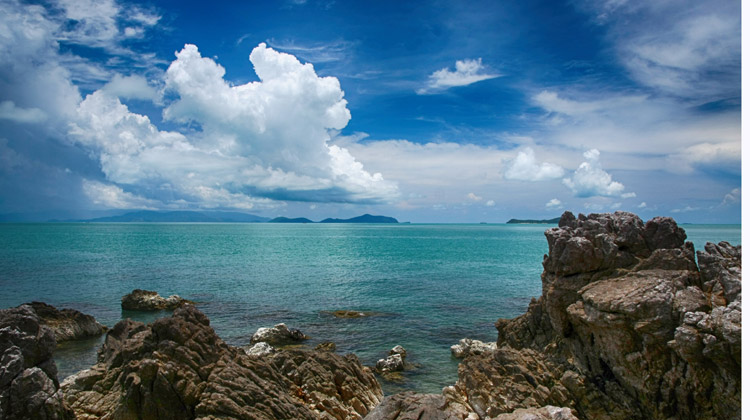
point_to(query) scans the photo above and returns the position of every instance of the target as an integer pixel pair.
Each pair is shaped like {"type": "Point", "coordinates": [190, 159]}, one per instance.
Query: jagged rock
{"type": "Point", "coordinates": [279, 334]}
{"type": "Point", "coordinates": [467, 346]}
{"type": "Point", "coordinates": [28, 374]}
{"type": "Point", "coordinates": [146, 300]}
{"type": "Point", "coordinates": [177, 367]}
{"type": "Point", "coordinates": [627, 327]}
{"type": "Point", "coordinates": [395, 362]}
{"type": "Point", "coordinates": [67, 324]}
{"type": "Point", "coordinates": [260, 349]}
{"type": "Point", "coordinates": [412, 406]}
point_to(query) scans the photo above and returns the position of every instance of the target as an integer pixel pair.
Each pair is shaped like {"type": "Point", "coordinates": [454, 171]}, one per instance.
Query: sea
{"type": "Point", "coordinates": [426, 285]}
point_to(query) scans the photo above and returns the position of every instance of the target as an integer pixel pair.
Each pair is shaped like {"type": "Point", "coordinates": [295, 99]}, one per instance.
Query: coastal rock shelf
{"type": "Point", "coordinates": [177, 367]}
{"type": "Point", "coordinates": [627, 327]}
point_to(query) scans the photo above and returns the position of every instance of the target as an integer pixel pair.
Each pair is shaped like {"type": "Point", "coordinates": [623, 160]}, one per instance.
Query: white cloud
{"type": "Point", "coordinates": [724, 155]}
{"type": "Point", "coordinates": [590, 180]}
{"type": "Point", "coordinates": [473, 197]}
{"type": "Point", "coordinates": [467, 72]}
{"type": "Point", "coordinates": [642, 205]}
{"type": "Point", "coordinates": [733, 197]}
{"type": "Point", "coordinates": [131, 87]}
{"type": "Point", "coordinates": [525, 168]}
{"type": "Point", "coordinates": [112, 196]}
{"type": "Point", "coordinates": [690, 49]}
{"type": "Point", "coordinates": [615, 206]}
{"type": "Point", "coordinates": [490, 203]}
{"type": "Point", "coordinates": [554, 204]}
{"type": "Point", "coordinates": [685, 209]}
{"type": "Point", "coordinates": [9, 111]}
{"type": "Point", "coordinates": [246, 149]}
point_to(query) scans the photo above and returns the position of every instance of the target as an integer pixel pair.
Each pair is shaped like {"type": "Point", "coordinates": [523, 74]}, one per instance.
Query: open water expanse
{"type": "Point", "coordinates": [430, 285]}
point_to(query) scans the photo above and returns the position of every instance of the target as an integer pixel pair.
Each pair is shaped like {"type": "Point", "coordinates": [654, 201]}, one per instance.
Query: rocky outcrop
{"type": "Point", "coordinates": [278, 335]}
{"type": "Point", "coordinates": [260, 349]}
{"type": "Point", "coordinates": [395, 362]}
{"type": "Point", "coordinates": [28, 374]}
{"type": "Point", "coordinates": [467, 346]}
{"type": "Point", "coordinates": [627, 327]}
{"type": "Point", "coordinates": [146, 300]}
{"type": "Point", "coordinates": [67, 324]}
{"type": "Point", "coordinates": [178, 368]}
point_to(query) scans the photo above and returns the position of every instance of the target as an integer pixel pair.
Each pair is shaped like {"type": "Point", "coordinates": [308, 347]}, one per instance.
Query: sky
{"type": "Point", "coordinates": [427, 111]}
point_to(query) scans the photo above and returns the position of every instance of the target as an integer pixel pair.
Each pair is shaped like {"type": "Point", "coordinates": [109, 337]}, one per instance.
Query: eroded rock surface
{"type": "Point", "coordinates": [147, 300]}
{"type": "Point", "coordinates": [627, 327]}
{"type": "Point", "coordinates": [467, 346]}
{"type": "Point", "coordinates": [278, 335]}
{"type": "Point", "coordinates": [178, 368]}
{"type": "Point", "coordinates": [67, 324]}
{"type": "Point", "coordinates": [28, 374]}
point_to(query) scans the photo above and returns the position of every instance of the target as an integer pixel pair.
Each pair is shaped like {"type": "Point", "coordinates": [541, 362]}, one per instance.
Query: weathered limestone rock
{"type": "Point", "coordinates": [627, 327]}
{"type": "Point", "coordinates": [146, 300]}
{"type": "Point", "coordinates": [278, 335]}
{"type": "Point", "coordinates": [67, 324]}
{"type": "Point", "coordinates": [260, 349]}
{"type": "Point", "coordinates": [395, 362]}
{"type": "Point", "coordinates": [28, 374]}
{"type": "Point", "coordinates": [467, 346]}
{"type": "Point", "coordinates": [178, 368]}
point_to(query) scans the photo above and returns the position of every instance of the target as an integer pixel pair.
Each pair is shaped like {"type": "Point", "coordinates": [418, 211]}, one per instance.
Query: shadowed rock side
{"type": "Point", "coordinates": [28, 374]}
{"type": "Point", "coordinates": [627, 327]}
{"type": "Point", "coordinates": [178, 368]}
{"type": "Point", "coordinates": [67, 324]}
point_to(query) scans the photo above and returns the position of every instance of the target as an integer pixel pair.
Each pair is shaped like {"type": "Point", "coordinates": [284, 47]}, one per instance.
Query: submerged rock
{"type": "Point", "coordinates": [177, 367]}
{"type": "Point", "coordinates": [627, 327]}
{"type": "Point", "coordinates": [146, 300]}
{"type": "Point", "coordinates": [279, 335]}
{"type": "Point", "coordinates": [467, 346]}
{"type": "Point", "coordinates": [67, 324]}
{"type": "Point", "coordinates": [326, 346]}
{"type": "Point", "coordinates": [28, 374]}
{"type": "Point", "coordinates": [349, 314]}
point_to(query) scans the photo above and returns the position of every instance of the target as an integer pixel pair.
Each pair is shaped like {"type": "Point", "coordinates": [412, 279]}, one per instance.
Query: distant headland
{"type": "Point", "coordinates": [149, 216]}
{"type": "Point", "coordinates": [534, 221]}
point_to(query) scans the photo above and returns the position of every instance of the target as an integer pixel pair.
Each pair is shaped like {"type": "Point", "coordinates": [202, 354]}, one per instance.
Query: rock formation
{"type": "Point", "coordinates": [395, 362]}
{"type": "Point", "coordinates": [28, 374]}
{"type": "Point", "coordinates": [627, 327]}
{"type": "Point", "coordinates": [278, 335]}
{"type": "Point", "coordinates": [467, 346]}
{"type": "Point", "coordinates": [67, 324]}
{"type": "Point", "coordinates": [146, 300]}
{"type": "Point", "coordinates": [178, 368]}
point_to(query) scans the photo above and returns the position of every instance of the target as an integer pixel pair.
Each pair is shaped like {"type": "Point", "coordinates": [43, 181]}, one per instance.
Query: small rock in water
{"type": "Point", "coordinates": [328, 346]}
{"type": "Point", "coordinates": [260, 349]}
{"type": "Point", "coordinates": [394, 362]}
{"type": "Point", "coordinates": [147, 300]}
{"type": "Point", "coordinates": [468, 346]}
{"type": "Point", "coordinates": [279, 334]}
{"type": "Point", "coordinates": [349, 314]}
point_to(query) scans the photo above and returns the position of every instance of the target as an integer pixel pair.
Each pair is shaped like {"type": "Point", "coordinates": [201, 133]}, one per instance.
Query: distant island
{"type": "Point", "coordinates": [534, 221]}
{"type": "Point", "coordinates": [149, 216]}
{"type": "Point", "coordinates": [365, 218]}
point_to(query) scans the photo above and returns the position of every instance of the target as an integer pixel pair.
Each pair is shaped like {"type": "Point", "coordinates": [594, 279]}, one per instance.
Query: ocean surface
{"type": "Point", "coordinates": [428, 285]}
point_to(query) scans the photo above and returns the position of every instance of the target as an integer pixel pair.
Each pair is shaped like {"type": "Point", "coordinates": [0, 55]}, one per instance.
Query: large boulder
{"type": "Point", "coordinates": [67, 324]}
{"type": "Point", "coordinates": [178, 368]}
{"type": "Point", "coordinates": [147, 300]}
{"type": "Point", "coordinates": [28, 374]}
{"type": "Point", "coordinates": [278, 335]}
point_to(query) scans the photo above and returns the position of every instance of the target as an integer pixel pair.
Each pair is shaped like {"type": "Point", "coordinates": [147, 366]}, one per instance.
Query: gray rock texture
{"type": "Point", "coordinates": [178, 368]}
{"type": "Point", "coordinates": [28, 374]}
{"type": "Point", "coordinates": [67, 324]}
{"type": "Point", "coordinates": [628, 327]}
{"type": "Point", "coordinates": [146, 300]}
{"type": "Point", "coordinates": [278, 335]}
{"type": "Point", "coordinates": [467, 346]}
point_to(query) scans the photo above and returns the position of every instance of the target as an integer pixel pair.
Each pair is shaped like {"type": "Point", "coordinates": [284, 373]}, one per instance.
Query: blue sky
{"type": "Point", "coordinates": [429, 111]}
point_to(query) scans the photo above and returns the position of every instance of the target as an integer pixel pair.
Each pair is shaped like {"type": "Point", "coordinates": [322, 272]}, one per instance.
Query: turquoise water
{"type": "Point", "coordinates": [430, 285]}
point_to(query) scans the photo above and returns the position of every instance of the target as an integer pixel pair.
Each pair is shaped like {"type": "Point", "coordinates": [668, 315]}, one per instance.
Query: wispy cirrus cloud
{"type": "Point", "coordinates": [466, 72]}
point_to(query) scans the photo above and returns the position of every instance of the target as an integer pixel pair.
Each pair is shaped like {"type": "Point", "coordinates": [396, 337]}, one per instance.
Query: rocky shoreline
{"type": "Point", "coordinates": [628, 327]}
